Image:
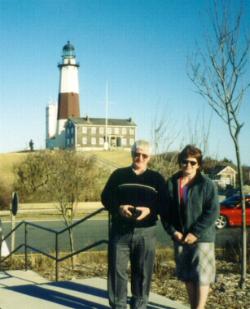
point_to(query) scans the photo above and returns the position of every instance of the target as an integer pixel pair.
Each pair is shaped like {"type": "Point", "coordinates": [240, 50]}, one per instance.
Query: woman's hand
{"type": "Point", "coordinates": [190, 239]}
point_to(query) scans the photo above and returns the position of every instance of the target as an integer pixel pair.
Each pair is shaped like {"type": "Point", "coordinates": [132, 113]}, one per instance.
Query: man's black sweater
{"type": "Point", "coordinates": [125, 187]}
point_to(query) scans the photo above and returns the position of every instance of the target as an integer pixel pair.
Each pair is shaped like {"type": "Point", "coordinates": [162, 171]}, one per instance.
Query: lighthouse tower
{"type": "Point", "coordinates": [68, 98]}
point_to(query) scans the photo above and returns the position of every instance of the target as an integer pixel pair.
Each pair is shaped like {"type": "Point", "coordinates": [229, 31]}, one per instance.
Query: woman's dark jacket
{"type": "Point", "coordinates": [198, 215]}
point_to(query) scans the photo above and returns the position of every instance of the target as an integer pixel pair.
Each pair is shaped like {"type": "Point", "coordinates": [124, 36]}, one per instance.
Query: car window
{"type": "Point", "coordinates": [233, 200]}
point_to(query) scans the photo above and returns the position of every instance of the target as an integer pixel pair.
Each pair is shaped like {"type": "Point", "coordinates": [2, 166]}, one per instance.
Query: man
{"type": "Point", "coordinates": [134, 196]}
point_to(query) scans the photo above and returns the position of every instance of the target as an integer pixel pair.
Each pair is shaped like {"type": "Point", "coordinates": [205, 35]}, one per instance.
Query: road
{"type": "Point", "coordinates": [94, 230]}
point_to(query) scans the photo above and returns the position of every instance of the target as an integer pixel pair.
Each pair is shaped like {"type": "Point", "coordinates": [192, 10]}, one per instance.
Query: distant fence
{"type": "Point", "coordinates": [52, 208]}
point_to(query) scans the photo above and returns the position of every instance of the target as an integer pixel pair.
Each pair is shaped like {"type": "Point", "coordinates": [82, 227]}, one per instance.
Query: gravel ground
{"type": "Point", "coordinates": [225, 293]}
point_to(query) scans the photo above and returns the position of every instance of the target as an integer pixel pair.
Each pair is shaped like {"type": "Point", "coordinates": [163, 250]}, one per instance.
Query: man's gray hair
{"type": "Point", "coordinates": [141, 144]}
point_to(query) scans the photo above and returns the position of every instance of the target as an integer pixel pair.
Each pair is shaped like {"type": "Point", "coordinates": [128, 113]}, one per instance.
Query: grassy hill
{"type": "Point", "coordinates": [112, 159]}
{"type": "Point", "coordinates": [7, 164]}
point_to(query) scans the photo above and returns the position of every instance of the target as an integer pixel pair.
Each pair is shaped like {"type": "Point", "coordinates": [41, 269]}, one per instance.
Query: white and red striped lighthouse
{"type": "Point", "coordinates": [68, 98]}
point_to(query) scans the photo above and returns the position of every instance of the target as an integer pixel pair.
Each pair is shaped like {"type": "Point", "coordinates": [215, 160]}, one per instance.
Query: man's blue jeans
{"type": "Point", "coordinates": [138, 247]}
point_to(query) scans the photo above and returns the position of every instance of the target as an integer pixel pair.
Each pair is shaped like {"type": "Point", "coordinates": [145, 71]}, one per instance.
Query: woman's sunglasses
{"type": "Point", "coordinates": [186, 162]}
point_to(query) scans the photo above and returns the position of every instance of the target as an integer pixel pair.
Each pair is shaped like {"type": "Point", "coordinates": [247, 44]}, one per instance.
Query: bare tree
{"type": "Point", "coordinates": [163, 139]}
{"type": "Point", "coordinates": [66, 177]}
{"type": "Point", "coordinates": [199, 132]}
{"type": "Point", "coordinates": [72, 174]}
{"type": "Point", "coordinates": [217, 73]}
{"type": "Point", "coordinates": [165, 133]}
{"type": "Point", "coordinates": [162, 130]}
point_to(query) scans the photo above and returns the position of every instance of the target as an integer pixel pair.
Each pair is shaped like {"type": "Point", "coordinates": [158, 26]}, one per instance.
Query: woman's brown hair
{"type": "Point", "coordinates": [190, 151]}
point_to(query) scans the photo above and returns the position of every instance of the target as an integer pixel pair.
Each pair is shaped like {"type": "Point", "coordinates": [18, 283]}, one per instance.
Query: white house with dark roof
{"type": "Point", "coordinates": [99, 133]}
{"type": "Point", "coordinates": [222, 175]}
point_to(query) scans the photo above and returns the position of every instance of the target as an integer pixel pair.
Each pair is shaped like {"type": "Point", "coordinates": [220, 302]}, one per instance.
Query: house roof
{"type": "Point", "coordinates": [102, 121]}
{"type": "Point", "coordinates": [218, 169]}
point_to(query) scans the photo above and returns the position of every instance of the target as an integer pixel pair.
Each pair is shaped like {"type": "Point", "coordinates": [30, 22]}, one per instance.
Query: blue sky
{"type": "Point", "coordinates": [140, 47]}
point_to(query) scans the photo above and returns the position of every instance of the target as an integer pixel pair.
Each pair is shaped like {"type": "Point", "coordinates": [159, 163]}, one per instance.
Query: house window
{"type": "Point", "coordinates": [68, 141]}
{"type": "Point", "coordinates": [72, 130]}
{"type": "Point", "coordinates": [84, 140]}
{"type": "Point", "coordinates": [124, 131]}
{"type": "Point", "coordinates": [117, 130]}
{"type": "Point", "coordinates": [72, 141]}
{"type": "Point", "coordinates": [93, 130]}
{"type": "Point", "coordinates": [109, 131]}
{"type": "Point", "coordinates": [101, 130]}
{"type": "Point", "coordinates": [101, 141]}
{"type": "Point", "coordinates": [84, 130]}
{"type": "Point", "coordinates": [93, 141]}
{"type": "Point", "coordinates": [124, 141]}
{"type": "Point", "coordinates": [131, 141]}
{"type": "Point", "coordinates": [131, 131]}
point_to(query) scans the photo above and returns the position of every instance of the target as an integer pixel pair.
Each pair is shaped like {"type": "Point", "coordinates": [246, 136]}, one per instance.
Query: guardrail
{"type": "Point", "coordinates": [56, 258]}
{"type": "Point", "coordinates": [83, 208]}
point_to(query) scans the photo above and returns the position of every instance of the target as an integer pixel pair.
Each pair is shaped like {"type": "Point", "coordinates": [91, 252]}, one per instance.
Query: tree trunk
{"type": "Point", "coordinates": [243, 226]}
{"type": "Point", "coordinates": [71, 241]}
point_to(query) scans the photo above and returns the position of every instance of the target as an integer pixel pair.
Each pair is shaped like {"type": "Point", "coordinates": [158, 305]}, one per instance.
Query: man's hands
{"type": "Point", "coordinates": [145, 211]}
{"type": "Point", "coordinates": [127, 211]}
{"type": "Point", "coordinates": [189, 239]}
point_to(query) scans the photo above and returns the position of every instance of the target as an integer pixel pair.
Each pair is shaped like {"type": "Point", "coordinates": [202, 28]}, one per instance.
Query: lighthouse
{"type": "Point", "coordinates": [68, 97]}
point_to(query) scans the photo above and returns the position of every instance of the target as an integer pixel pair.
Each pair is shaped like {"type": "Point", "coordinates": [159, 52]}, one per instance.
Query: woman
{"type": "Point", "coordinates": [192, 210]}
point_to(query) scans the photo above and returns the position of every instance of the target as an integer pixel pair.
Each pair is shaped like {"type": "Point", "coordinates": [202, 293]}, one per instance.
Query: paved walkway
{"type": "Point", "coordinates": [26, 289]}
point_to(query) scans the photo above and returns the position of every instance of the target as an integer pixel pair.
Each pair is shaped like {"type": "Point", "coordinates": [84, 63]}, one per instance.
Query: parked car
{"type": "Point", "coordinates": [231, 212]}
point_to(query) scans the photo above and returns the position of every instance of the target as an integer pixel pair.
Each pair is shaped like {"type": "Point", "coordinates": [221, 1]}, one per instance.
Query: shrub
{"type": "Point", "coordinates": [5, 196]}
{"type": "Point", "coordinates": [47, 176]}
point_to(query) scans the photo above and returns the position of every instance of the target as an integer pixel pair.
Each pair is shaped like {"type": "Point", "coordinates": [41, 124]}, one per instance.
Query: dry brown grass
{"type": "Point", "coordinates": [87, 264]}
{"type": "Point", "coordinates": [117, 157]}
{"type": "Point", "coordinates": [7, 163]}
{"type": "Point", "coordinates": [9, 160]}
